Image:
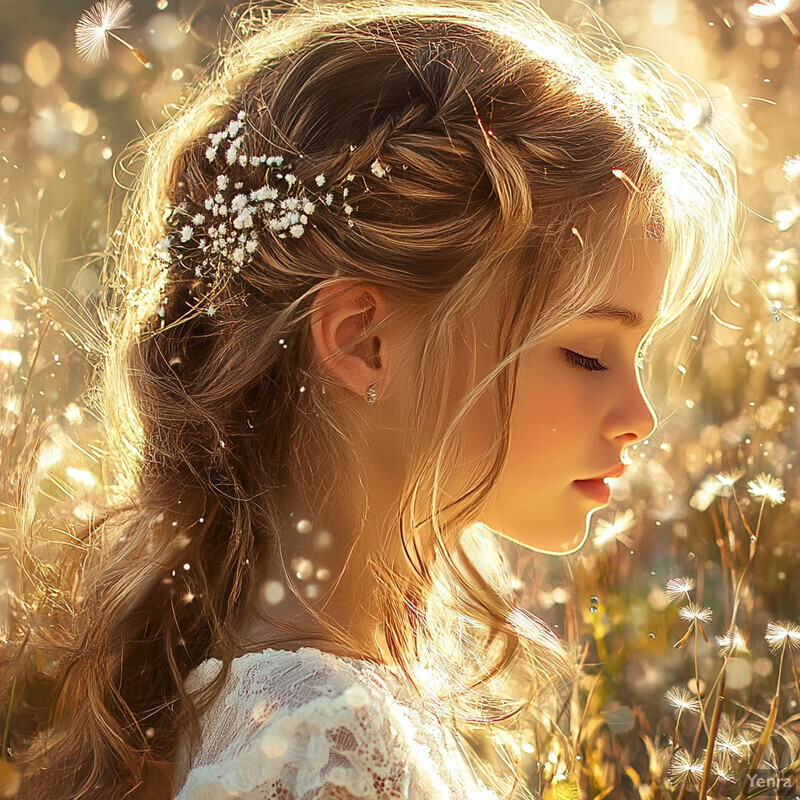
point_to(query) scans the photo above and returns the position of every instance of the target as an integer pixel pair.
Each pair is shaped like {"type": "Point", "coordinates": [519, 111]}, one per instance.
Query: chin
{"type": "Point", "coordinates": [565, 541]}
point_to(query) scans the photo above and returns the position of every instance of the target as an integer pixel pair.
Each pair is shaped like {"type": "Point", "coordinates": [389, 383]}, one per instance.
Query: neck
{"type": "Point", "coordinates": [326, 559]}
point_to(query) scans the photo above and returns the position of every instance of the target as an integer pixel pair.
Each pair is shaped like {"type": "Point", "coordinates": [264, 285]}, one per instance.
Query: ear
{"type": "Point", "coordinates": [340, 316]}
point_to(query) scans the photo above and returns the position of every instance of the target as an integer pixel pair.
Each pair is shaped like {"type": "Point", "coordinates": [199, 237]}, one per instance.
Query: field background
{"type": "Point", "coordinates": [64, 127]}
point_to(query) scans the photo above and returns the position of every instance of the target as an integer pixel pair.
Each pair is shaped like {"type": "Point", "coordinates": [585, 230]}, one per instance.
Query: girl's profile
{"type": "Point", "coordinates": [378, 302]}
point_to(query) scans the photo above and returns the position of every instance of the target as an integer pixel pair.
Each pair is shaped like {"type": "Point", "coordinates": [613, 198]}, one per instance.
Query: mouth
{"type": "Point", "coordinates": [596, 489]}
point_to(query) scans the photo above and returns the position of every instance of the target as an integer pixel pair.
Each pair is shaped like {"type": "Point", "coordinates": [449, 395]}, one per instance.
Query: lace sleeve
{"type": "Point", "coordinates": [345, 747]}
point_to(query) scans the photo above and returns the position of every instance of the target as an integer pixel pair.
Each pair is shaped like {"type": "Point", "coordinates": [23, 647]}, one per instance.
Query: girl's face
{"type": "Point", "coordinates": [578, 402]}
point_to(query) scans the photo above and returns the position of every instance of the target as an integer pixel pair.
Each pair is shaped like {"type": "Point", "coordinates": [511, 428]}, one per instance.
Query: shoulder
{"type": "Point", "coordinates": [302, 724]}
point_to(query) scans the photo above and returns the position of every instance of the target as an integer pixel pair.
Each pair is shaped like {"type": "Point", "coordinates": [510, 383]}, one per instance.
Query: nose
{"type": "Point", "coordinates": [631, 417]}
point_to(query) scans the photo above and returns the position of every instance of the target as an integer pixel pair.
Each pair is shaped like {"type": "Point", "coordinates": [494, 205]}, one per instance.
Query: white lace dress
{"type": "Point", "coordinates": [309, 725]}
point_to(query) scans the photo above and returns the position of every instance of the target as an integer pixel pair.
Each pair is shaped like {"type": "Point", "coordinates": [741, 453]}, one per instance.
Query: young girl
{"type": "Point", "coordinates": [383, 285]}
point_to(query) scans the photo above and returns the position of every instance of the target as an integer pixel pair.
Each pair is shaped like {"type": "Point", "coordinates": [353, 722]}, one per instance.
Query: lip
{"type": "Point", "coordinates": [614, 472]}
{"type": "Point", "coordinates": [594, 489]}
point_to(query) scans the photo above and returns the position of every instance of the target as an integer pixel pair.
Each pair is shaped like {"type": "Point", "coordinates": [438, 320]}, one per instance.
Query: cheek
{"type": "Point", "coordinates": [551, 419]}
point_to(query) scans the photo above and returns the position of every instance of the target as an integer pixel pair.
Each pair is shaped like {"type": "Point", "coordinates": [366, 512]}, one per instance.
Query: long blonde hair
{"type": "Point", "coordinates": [522, 154]}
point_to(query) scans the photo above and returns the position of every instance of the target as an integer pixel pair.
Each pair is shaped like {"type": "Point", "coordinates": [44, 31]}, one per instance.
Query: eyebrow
{"type": "Point", "coordinates": [626, 317]}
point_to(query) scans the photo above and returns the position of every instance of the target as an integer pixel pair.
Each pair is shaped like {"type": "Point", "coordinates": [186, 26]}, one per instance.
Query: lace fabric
{"type": "Point", "coordinates": [310, 725]}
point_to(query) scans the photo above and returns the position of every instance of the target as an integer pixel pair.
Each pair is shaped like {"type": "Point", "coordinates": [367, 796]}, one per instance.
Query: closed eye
{"type": "Point", "coordinates": [584, 362]}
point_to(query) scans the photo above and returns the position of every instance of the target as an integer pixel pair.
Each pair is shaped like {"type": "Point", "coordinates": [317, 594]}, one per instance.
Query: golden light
{"type": "Point", "coordinates": [763, 9]}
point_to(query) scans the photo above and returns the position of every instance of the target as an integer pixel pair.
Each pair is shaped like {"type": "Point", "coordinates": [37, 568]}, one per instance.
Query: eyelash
{"type": "Point", "coordinates": [584, 362]}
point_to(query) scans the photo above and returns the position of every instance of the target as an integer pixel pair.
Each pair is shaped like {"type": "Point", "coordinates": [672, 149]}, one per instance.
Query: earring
{"type": "Point", "coordinates": [371, 394]}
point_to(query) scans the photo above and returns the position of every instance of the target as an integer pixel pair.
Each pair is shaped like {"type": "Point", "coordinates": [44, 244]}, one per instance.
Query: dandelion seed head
{"type": "Point", "coordinates": [678, 587]}
{"type": "Point", "coordinates": [732, 643]}
{"type": "Point", "coordinates": [729, 478]}
{"type": "Point", "coordinates": [722, 771]}
{"type": "Point", "coordinates": [782, 634]}
{"type": "Point", "coordinates": [694, 613]}
{"type": "Point", "coordinates": [682, 699]}
{"type": "Point", "coordinates": [767, 487]}
{"type": "Point", "coordinates": [729, 743]}
{"type": "Point", "coordinates": [683, 770]}
{"type": "Point", "coordinates": [91, 31]}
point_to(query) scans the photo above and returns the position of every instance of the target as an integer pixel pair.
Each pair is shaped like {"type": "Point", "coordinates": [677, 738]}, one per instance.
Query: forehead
{"type": "Point", "coordinates": [638, 280]}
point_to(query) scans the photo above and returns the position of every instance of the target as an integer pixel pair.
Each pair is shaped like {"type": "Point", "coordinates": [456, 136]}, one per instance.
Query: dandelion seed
{"type": "Point", "coordinates": [682, 700]}
{"type": "Point", "coordinates": [732, 643]}
{"type": "Point", "coordinates": [98, 24]}
{"type": "Point", "coordinates": [782, 634]}
{"type": "Point", "coordinates": [683, 770]}
{"type": "Point", "coordinates": [768, 488]}
{"type": "Point", "coordinates": [677, 587]}
{"type": "Point", "coordinates": [695, 613]}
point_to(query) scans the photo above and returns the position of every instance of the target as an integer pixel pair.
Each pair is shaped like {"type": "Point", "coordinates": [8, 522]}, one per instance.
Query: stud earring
{"type": "Point", "coordinates": [371, 394]}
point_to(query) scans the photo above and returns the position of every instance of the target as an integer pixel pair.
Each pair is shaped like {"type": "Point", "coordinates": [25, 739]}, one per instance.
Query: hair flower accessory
{"type": "Point", "coordinates": [223, 232]}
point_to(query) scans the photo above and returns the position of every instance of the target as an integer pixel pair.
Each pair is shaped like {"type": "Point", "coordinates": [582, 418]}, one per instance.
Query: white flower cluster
{"type": "Point", "coordinates": [227, 228]}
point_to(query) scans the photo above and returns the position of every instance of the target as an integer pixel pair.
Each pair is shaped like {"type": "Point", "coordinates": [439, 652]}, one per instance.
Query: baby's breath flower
{"type": "Point", "coordinates": [782, 634]}
{"type": "Point", "coordinates": [683, 770]}
{"type": "Point", "coordinates": [767, 487]}
{"type": "Point", "coordinates": [692, 612]}
{"type": "Point", "coordinates": [677, 587]}
{"type": "Point", "coordinates": [732, 643]}
{"type": "Point", "coordinates": [237, 215]}
{"type": "Point", "coordinates": [682, 700]}
{"type": "Point", "coordinates": [378, 168]}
